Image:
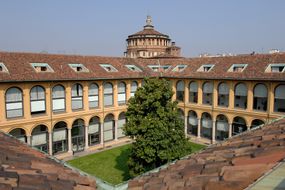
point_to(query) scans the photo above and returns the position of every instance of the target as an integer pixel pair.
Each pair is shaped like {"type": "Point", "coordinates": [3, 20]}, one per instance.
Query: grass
{"type": "Point", "coordinates": [111, 165]}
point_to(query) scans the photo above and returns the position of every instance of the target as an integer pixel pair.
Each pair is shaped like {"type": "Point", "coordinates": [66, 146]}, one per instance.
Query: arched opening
{"type": "Point", "coordinates": [256, 123]}
{"type": "Point", "coordinates": [94, 131]}
{"type": "Point", "coordinates": [121, 123]}
{"type": "Point", "coordinates": [134, 87]}
{"type": "Point", "coordinates": [180, 91]}
{"type": "Point", "coordinates": [193, 92]}
{"type": "Point", "coordinates": [93, 95]}
{"type": "Point", "coordinates": [40, 138]}
{"type": "Point", "coordinates": [77, 135]}
{"type": "Point", "coordinates": [109, 128]}
{"type": "Point", "coordinates": [239, 126]}
{"type": "Point", "coordinates": [260, 97]}
{"type": "Point", "coordinates": [58, 98]}
{"type": "Point", "coordinates": [59, 138]}
{"type": "Point", "coordinates": [279, 98]}
{"type": "Point", "coordinates": [208, 93]}
{"type": "Point", "coordinates": [14, 102]}
{"type": "Point", "coordinates": [108, 94]}
{"type": "Point", "coordinates": [240, 96]}
{"type": "Point", "coordinates": [38, 100]}
{"type": "Point", "coordinates": [222, 127]}
{"type": "Point", "coordinates": [223, 95]}
{"type": "Point", "coordinates": [20, 134]}
{"type": "Point", "coordinates": [206, 125]}
{"type": "Point", "coordinates": [77, 97]}
{"type": "Point", "coordinates": [122, 93]}
{"type": "Point", "coordinates": [192, 123]}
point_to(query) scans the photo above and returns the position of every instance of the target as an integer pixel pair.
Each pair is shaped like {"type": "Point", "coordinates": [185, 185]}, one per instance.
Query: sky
{"type": "Point", "coordinates": [101, 27]}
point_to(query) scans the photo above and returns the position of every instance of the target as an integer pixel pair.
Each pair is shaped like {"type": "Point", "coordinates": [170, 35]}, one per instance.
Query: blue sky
{"type": "Point", "coordinates": [93, 27]}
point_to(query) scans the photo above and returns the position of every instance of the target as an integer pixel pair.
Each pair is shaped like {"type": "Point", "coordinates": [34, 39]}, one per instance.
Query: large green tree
{"type": "Point", "coordinates": [154, 123]}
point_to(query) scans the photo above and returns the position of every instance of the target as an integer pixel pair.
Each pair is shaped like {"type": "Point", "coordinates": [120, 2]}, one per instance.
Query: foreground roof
{"type": "Point", "coordinates": [234, 164]}
{"type": "Point", "coordinates": [23, 168]}
{"type": "Point", "coordinates": [19, 67]}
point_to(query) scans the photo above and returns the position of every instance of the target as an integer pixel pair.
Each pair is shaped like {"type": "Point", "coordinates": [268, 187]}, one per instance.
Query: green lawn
{"type": "Point", "coordinates": [111, 165]}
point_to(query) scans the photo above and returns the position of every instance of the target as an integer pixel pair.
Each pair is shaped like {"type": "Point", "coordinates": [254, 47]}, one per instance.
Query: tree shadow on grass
{"type": "Point", "coordinates": [122, 163]}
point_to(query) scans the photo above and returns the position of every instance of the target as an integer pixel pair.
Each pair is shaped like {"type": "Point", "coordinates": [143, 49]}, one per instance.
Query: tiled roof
{"type": "Point", "coordinates": [23, 168]}
{"type": "Point", "coordinates": [148, 32]}
{"type": "Point", "coordinates": [233, 165]}
{"type": "Point", "coordinates": [18, 65]}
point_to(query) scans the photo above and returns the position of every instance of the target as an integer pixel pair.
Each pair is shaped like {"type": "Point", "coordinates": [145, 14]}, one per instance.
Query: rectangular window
{"type": "Point", "coordinates": [133, 68]}
{"type": "Point", "coordinates": [206, 68]}
{"type": "Point", "coordinates": [275, 68]}
{"type": "Point", "coordinates": [3, 68]}
{"type": "Point", "coordinates": [179, 68]}
{"type": "Point", "coordinates": [41, 67]}
{"type": "Point", "coordinates": [237, 68]}
{"type": "Point", "coordinates": [78, 67]}
{"type": "Point", "coordinates": [159, 68]}
{"type": "Point", "coordinates": [108, 67]}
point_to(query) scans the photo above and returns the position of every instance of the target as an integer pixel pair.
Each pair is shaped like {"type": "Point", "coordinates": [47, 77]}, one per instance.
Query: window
{"type": "Point", "coordinates": [206, 68]}
{"type": "Point", "coordinates": [108, 94]}
{"type": "Point", "coordinates": [94, 131]}
{"type": "Point", "coordinates": [108, 68]}
{"type": "Point", "coordinates": [133, 68]}
{"type": "Point", "coordinates": [121, 93]}
{"type": "Point", "coordinates": [275, 68]}
{"type": "Point", "coordinates": [193, 94]}
{"type": "Point", "coordinates": [38, 100]}
{"type": "Point", "coordinates": [134, 87]}
{"type": "Point", "coordinates": [41, 67]}
{"type": "Point", "coordinates": [76, 97]}
{"type": "Point", "coordinates": [179, 68]}
{"type": "Point", "coordinates": [223, 94]}
{"type": "Point", "coordinates": [207, 93]}
{"type": "Point", "coordinates": [93, 96]}
{"type": "Point", "coordinates": [3, 68]}
{"type": "Point", "coordinates": [279, 98]}
{"type": "Point", "coordinates": [241, 96]}
{"type": "Point", "coordinates": [78, 67]}
{"type": "Point", "coordinates": [157, 68]}
{"type": "Point", "coordinates": [58, 98]}
{"type": "Point", "coordinates": [14, 102]}
{"type": "Point", "coordinates": [260, 97]}
{"type": "Point", "coordinates": [237, 68]}
{"type": "Point", "coordinates": [180, 91]}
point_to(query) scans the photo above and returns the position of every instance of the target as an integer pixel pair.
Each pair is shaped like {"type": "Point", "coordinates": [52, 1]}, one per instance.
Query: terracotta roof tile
{"type": "Point", "coordinates": [18, 65]}
{"type": "Point", "coordinates": [232, 164]}
{"type": "Point", "coordinates": [22, 167]}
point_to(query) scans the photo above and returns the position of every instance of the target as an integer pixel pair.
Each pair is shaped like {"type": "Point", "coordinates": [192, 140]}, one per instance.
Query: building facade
{"type": "Point", "coordinates": [150, 43]}
{"type": "Point", "coordinates": [62, 104]}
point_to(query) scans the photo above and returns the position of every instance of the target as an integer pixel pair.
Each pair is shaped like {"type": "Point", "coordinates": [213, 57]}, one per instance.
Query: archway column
{"type": "Point", "coordinates": [29, 140]}
{"type": "Point", "coordinates": [86, 137]}
{"type": "Point", "coordinates": [50, 142]}
{"type": "Point", "coordinates": [199, 128]}
{"type": "Point", "coordinates": [230, 129]}
{"type": "Point", "coordinates": [69, 140]}
{"type": "Point", "coordinates": [185, 123]}
{"type": "Point", "coordinates": [102, 132]}
{"type": "Point", "coordinates": [213, 131]}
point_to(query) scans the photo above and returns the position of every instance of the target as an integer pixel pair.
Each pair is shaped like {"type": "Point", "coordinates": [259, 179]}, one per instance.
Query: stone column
{"type": "Point", "coordinates": [50, 143]}
{"type": "Point", "coordinates": [214, 132]}
{"type": "Point", "coordinates": [29, 142]}
{"type": "Point", "coordinates": [69, 141]}
{"type": "Point", "coordinates": [199, 128]}
{"type": "Point", "coordinates": [186, 92]}
{"type": "Point", "coordinates": [101, 95]}
{"type": "Point", "coordinates": [115, 90]}
{"type": "Point", "coordinates": [116, 129]}
{"type": "Point", "coordinates": [215, 94]}
{"type": "Point", "coordinates": [128, 90]}
{"type": "Point", "coordinates": [185, 124]}
{"type": "Point", "coordinates": [86, 137]}
{"type": "Point", "coordinates": [230, 129]}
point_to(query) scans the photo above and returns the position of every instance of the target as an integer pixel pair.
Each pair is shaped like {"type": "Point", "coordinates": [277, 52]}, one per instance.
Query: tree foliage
{"type": "Point", "coordinates": [154, 123]}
